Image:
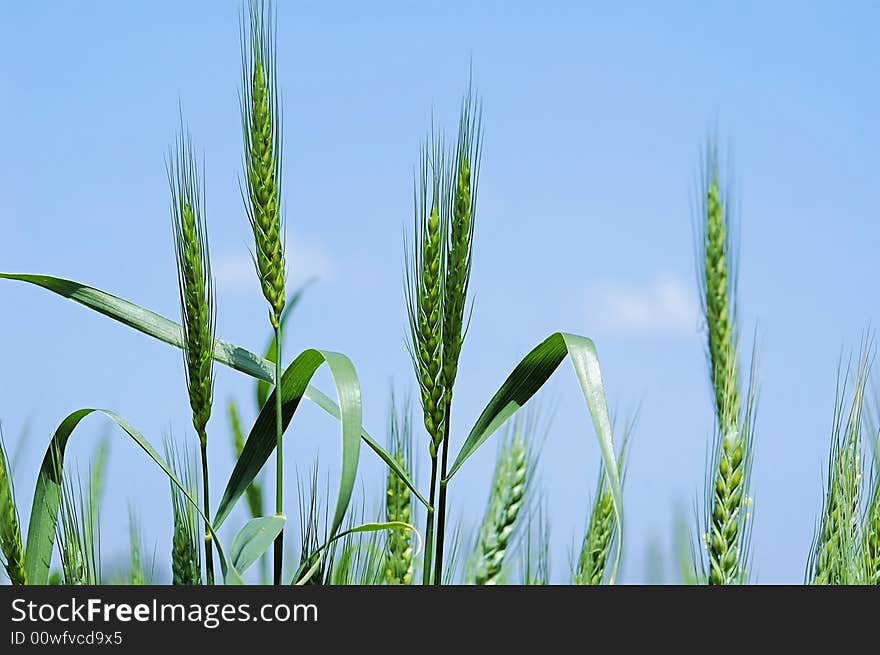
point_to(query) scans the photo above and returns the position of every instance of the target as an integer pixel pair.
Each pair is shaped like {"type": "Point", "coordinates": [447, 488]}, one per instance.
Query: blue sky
{"type": "Point", "coordinates": [594, 121]}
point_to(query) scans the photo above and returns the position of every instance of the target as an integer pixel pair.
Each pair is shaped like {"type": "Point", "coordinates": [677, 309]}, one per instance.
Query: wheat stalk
{"type": "Point", "coordinates": [198, 310]}
{"type": "Point", "coordinates": [505, 503]}
{"type": "Point", "coordinates": [10, 532]}
{"type": "Point", "coordinates": [261, 127]}
{"type": "Point", "coordinates": [398, 568]}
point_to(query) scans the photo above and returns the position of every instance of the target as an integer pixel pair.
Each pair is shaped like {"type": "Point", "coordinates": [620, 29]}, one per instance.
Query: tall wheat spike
{"type": "Point", "coordinates": [726, 539]}
{"type": "Point", "coordinates": [10, 531]}
{"type": "Point", "coordinates": [261, 128]}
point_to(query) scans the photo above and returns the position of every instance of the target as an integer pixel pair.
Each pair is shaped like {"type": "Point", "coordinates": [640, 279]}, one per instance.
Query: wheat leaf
{"type": "Point", "coordinates": [526, 379]}
{"type": "Point", "coordinates": [262, 439]}
{"type": "Point", "coordinates": [167, 331]}
{"type": "Point", "coordinates": [47, 497]}
{"type": "Point", "coordinates": [254, 539]}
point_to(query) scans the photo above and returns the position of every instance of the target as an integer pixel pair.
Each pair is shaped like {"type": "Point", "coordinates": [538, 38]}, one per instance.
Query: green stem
{"type": "Point", "coordinates": [209, 550]}
{"type": "Point", "coordinates": [441, 506]}
{"type": "Point", "coordinates": [429, 526]}
{"type": "Point", "coordinates": [279, 458]}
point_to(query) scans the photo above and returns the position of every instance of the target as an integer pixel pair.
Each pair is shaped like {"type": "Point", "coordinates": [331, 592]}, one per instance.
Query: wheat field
{"type": "Point", "coordinates": [403, 527]}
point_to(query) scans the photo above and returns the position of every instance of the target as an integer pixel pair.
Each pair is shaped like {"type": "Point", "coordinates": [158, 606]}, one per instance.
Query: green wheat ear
{"type": "Point", "coordinates": [719, 295]}
{"type": "Point", "coordinates": [834, 558]}
{"type": "Point", "coordinates": [261, 125]}
{"type": "Point", "coordinates": [196, 286]}
{"type": "Point", "coordinates": [398, 566]}
{"type": "Point", "coordinates": [727, 534]}
{"type": "Point", "coordinates": [10, 531]}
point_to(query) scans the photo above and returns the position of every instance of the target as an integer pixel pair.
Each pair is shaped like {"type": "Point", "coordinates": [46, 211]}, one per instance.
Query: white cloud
{"type": "Point", "coordinates": [235, 272]}
{"type": "Point", "coordinates": [663, 306]}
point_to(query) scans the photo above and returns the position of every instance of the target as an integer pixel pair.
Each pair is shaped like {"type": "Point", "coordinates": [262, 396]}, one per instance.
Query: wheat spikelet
{"type": "Point", "coordinates": [10, 532]}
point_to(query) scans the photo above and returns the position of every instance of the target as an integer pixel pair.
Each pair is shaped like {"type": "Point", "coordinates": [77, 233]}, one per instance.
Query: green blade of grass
{"type": "Point", "coordinates": [165, 330]}
{"type": "Point", "coordinates": [525, 381]}
{"type": "Point", "coordinates": [254, 539]}
{"type": "Point", "coordinates": [262, 439]}
{"type": "Point", "coordinates": [47, 497]}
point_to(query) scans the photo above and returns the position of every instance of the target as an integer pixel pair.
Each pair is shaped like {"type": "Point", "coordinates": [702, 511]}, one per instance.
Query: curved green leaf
{"type": "Point", "coordinates": [262, 439]}
{"type": "Point", "coordinates": [167, 331]}
{"type": "Point", "coordinates": [526, 379]}
{"type": "Point", "coordinates": [263, 387]}
{"type": "Point", "coordinates": [301, 578]}
{"type": "Point", "coordinates": [47, 497]}
{"type": "Point", "coordinates": [254, 539]}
